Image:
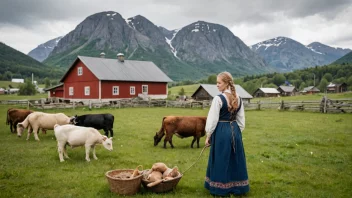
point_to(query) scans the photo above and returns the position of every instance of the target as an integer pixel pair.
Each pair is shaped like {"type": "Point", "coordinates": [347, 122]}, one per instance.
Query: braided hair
{"type": "Point", "coordinates": [226, 77]}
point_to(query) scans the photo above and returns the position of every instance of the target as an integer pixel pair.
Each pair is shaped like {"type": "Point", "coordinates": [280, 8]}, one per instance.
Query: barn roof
{"type": "Point", "coordinates": [53, 87]}
{"type": "Point", "coordinates": [213, 91]}
{"type": "Point", "coordinates": [129, 70]}
{"type": "Point", "coordinates": [310, 88]}
{"type": "Point", "coordinates": [269, 90]}
{"type": "Point", "coordinates": [287, 89]}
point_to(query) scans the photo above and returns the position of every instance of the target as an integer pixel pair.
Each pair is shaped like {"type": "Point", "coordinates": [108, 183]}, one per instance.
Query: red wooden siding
{"type": "Point", "coordinates": [79, 82]}
{"type": "Point", "coordinates": [154, 88]}
{"type": "Point", "coordinates": [57, 92]}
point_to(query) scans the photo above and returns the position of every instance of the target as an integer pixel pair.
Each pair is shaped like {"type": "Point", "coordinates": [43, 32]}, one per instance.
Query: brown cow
{"type": "Point", "coordinates": [181, 126]}
{"type": "Point", "coordinates": [14, 116]}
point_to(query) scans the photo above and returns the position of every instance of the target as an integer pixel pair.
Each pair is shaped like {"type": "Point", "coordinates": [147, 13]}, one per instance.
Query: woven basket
{"type": "Point", "coordinates": [164, 186]}
{"type": "Point", "coordinates": [123, 186]}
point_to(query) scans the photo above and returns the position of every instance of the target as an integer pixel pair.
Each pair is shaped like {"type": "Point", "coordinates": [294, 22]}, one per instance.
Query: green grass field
{"type": "Point", "coordinates": [289, 154]}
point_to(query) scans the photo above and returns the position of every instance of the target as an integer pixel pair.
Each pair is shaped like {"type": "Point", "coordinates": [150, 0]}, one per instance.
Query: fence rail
{"type": "Point", "coordinates": [325, 105]}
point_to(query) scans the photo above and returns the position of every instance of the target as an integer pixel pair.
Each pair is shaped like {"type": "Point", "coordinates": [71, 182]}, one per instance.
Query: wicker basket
{"type": "Point", "coordinates": [123, 186]}
{"type": "Point", "coordinates": [164, 186]}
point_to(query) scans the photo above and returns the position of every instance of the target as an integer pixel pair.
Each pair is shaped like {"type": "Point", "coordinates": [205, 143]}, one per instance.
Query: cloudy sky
{"type": "Point", "coordinates": [24, 24]}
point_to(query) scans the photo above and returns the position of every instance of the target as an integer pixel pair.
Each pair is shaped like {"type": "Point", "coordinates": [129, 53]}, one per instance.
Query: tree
{"type": "Point", "coordinates": [47, 82]}
{"type": "Point", "coordinates": [27, 88]}
{"type": "Point", "coordinates": [302, 86]}
{"type": "Point", "coordinates": [181, 92]}
{"type": "Point", "coordinates": [349, 81]}
{"type": "Point", "coordinates": [7, 75]}
{"type": "Point", "coordinates": [279, 79]}
{"type": "Point", "coordinates": [322, 85]}
{"type": "Point", "coordinates": [328, 77]}
{"type": "Point", "coordinates": [212, 79]}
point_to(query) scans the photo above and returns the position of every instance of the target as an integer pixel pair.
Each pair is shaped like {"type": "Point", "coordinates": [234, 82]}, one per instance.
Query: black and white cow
{"type": "Point", "coordinates": [97, 121]}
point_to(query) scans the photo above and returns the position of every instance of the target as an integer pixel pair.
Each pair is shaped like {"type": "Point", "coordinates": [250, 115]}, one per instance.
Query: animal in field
{"type": "Point", "coordinates": [37, 120]}
{"type": "Point", "coordinates": [97, 121]}
{"type": "Point", "coordinates": [75, 136]}
{"type": "Point", "coordinates": [14, 116]}
{"type": "Point", "coordinates": [181, 126]}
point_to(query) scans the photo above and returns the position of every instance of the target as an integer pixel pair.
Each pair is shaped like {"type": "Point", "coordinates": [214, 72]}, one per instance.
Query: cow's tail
{"type": "Point", "coordinates": [7, 116]}
{"type": "Point", "coordinates": [162, 129]}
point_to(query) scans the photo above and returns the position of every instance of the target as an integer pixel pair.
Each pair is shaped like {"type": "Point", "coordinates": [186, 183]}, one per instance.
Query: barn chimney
{"type": "Point", "coordinates": [121, 57]}
{"type": "Point", "coordinates": [102, 55]}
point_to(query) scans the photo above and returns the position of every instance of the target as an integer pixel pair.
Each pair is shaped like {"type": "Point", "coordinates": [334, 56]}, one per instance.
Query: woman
{"type": "Point", "coordinates": [227, 171]}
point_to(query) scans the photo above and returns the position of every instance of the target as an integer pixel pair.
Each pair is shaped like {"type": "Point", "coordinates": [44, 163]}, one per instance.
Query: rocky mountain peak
{"type": "Point", "coordinates": [41, 52]}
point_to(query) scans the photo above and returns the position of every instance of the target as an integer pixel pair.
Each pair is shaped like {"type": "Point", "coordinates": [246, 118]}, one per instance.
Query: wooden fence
{"type": "Point", "coordinates": [323, 106]}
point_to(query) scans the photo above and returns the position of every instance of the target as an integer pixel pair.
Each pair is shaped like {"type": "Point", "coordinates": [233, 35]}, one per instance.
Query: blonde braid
{"type": "Point", "coordinates": [234, 101]}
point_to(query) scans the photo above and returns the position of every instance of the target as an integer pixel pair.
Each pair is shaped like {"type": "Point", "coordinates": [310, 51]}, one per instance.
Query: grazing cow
{"type": "Point", "coordinates": [76, 136]}
{"type": "Point", "coordinates": [97, 121]}
{"type": "Point", "coordinates": [14, 116]}
{"type": "Point", "coordinates": [181, 126]}
{"type": "Point", "coordinates": [37, 120]}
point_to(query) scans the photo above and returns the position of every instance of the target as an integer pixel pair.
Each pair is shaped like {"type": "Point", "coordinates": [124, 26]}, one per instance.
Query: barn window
{"type": "Point", "coordinates": [132, 90]}
{"type": "Point", "coordinates": [70, 91]}
{"type": "Point", "coordinates": [87, 91]}
{"type": "Point", "coordinates": [115, 90]}
{"type": "Point", "coordinates": [80, 71]}
{"type": "Point", "coordinates": [145, 89]}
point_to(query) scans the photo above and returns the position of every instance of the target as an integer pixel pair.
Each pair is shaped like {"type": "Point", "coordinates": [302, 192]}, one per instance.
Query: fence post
{"type": "Point", "coordinates": [326, 98]}
{"type": "Point", "coordinates": [90, 105]}
{"type": "Point", "coordinates": [258, 104]}
{"type": "Point", "coordinates": [28, 104]}
{"type": "Point", "coordinates": [165, 103]}
{"type": "Point", "coordinates": [282, 107]}
{"type": "Point", "coordinates": [73, 105]}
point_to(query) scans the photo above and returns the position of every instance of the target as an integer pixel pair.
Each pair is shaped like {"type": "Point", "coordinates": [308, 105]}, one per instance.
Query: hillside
{"type": "Point", "coordinates": [345, 59]}
{"type": "Point", "coordinates": [18, 65]}
{"type": "Point", "coordinates": [189, 53]}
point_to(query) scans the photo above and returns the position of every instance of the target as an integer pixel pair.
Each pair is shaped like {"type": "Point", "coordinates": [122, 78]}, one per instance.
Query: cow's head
{"type": "Point", "coordinates": [20, 129]}
{"type": "Point", "coordinates": [73, 120]}
{"type": "Point", "coordinates": [107, 143]}
{"type": "Point", "coordinates": [156, 139]}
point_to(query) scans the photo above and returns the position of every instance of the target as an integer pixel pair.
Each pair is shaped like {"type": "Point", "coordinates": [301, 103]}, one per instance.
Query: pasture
{"type": "Point", "coordinates": [289, 154]}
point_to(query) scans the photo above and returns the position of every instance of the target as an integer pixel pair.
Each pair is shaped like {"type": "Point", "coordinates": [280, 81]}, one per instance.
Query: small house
{"type": "Point", "coordinates": [209, 91]}
{"type": "Point", "coordinates": [336, 88]}
{"type": "Point", "coordinates": [266, 92]}
{"type": "Point", "coordinates": [287, 90]}
{"type": "Point", "coordinates": [310, 90]}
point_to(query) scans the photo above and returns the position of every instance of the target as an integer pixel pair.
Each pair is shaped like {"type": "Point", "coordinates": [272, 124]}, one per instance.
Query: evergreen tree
{"type": "Point", "coordinates": [181, 92]}
{"type": "Point", "coordinates": [322, 85]}
{"type": "Point", "coordinates": [27, 88]}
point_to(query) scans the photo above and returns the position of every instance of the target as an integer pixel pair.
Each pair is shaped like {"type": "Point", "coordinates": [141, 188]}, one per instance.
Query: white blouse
{"type": "Point", "coordinates": [214, 112]}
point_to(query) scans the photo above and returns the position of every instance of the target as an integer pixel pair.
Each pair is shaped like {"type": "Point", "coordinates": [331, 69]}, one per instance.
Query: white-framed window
{"type": "Point", "coordinates": [70, 91]}
{"type": "Point", "coordinates": [145, 89]}
{"type": "Point", "coordinates": [115, 90]}
{"type": "Point", "coordinates": [132, 90]}
{"type": "Point", "coordinates": [79, 71]}
{"type": "Point", "coordinates": [87, 91]}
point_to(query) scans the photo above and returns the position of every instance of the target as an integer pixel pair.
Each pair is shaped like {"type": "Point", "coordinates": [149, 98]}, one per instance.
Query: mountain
{"type": "Point", "coordinates": [192, 52]}
{"type": "Point", "coordinates": [22, 66]}
{"type": "Point", "coordinates": [41, 52]}
{"type": "Point", "coordinates": [345, 59]}
{"type": "Point", "coordinates": [331, 53]}
{"type": "Point", "coordinates": [286, 54]}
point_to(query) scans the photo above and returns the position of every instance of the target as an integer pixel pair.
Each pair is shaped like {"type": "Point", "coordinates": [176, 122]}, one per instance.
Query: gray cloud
{"type": "Point", "coordinates": [251, 20]}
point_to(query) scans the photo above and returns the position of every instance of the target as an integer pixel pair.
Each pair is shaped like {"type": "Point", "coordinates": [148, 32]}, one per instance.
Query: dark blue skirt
{"type": "Point", "coordinates": [227, 171]}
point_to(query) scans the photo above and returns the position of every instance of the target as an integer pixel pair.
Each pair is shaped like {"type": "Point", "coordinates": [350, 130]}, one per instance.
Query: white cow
{"type": "Point", "coordinates": [76, 136]}
{"type": "Point", "coordinates": [37, 120]}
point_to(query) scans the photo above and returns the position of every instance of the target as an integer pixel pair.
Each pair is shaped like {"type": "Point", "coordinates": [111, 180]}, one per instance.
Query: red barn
{"type": "Point", "coordinates": [91, 78]}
